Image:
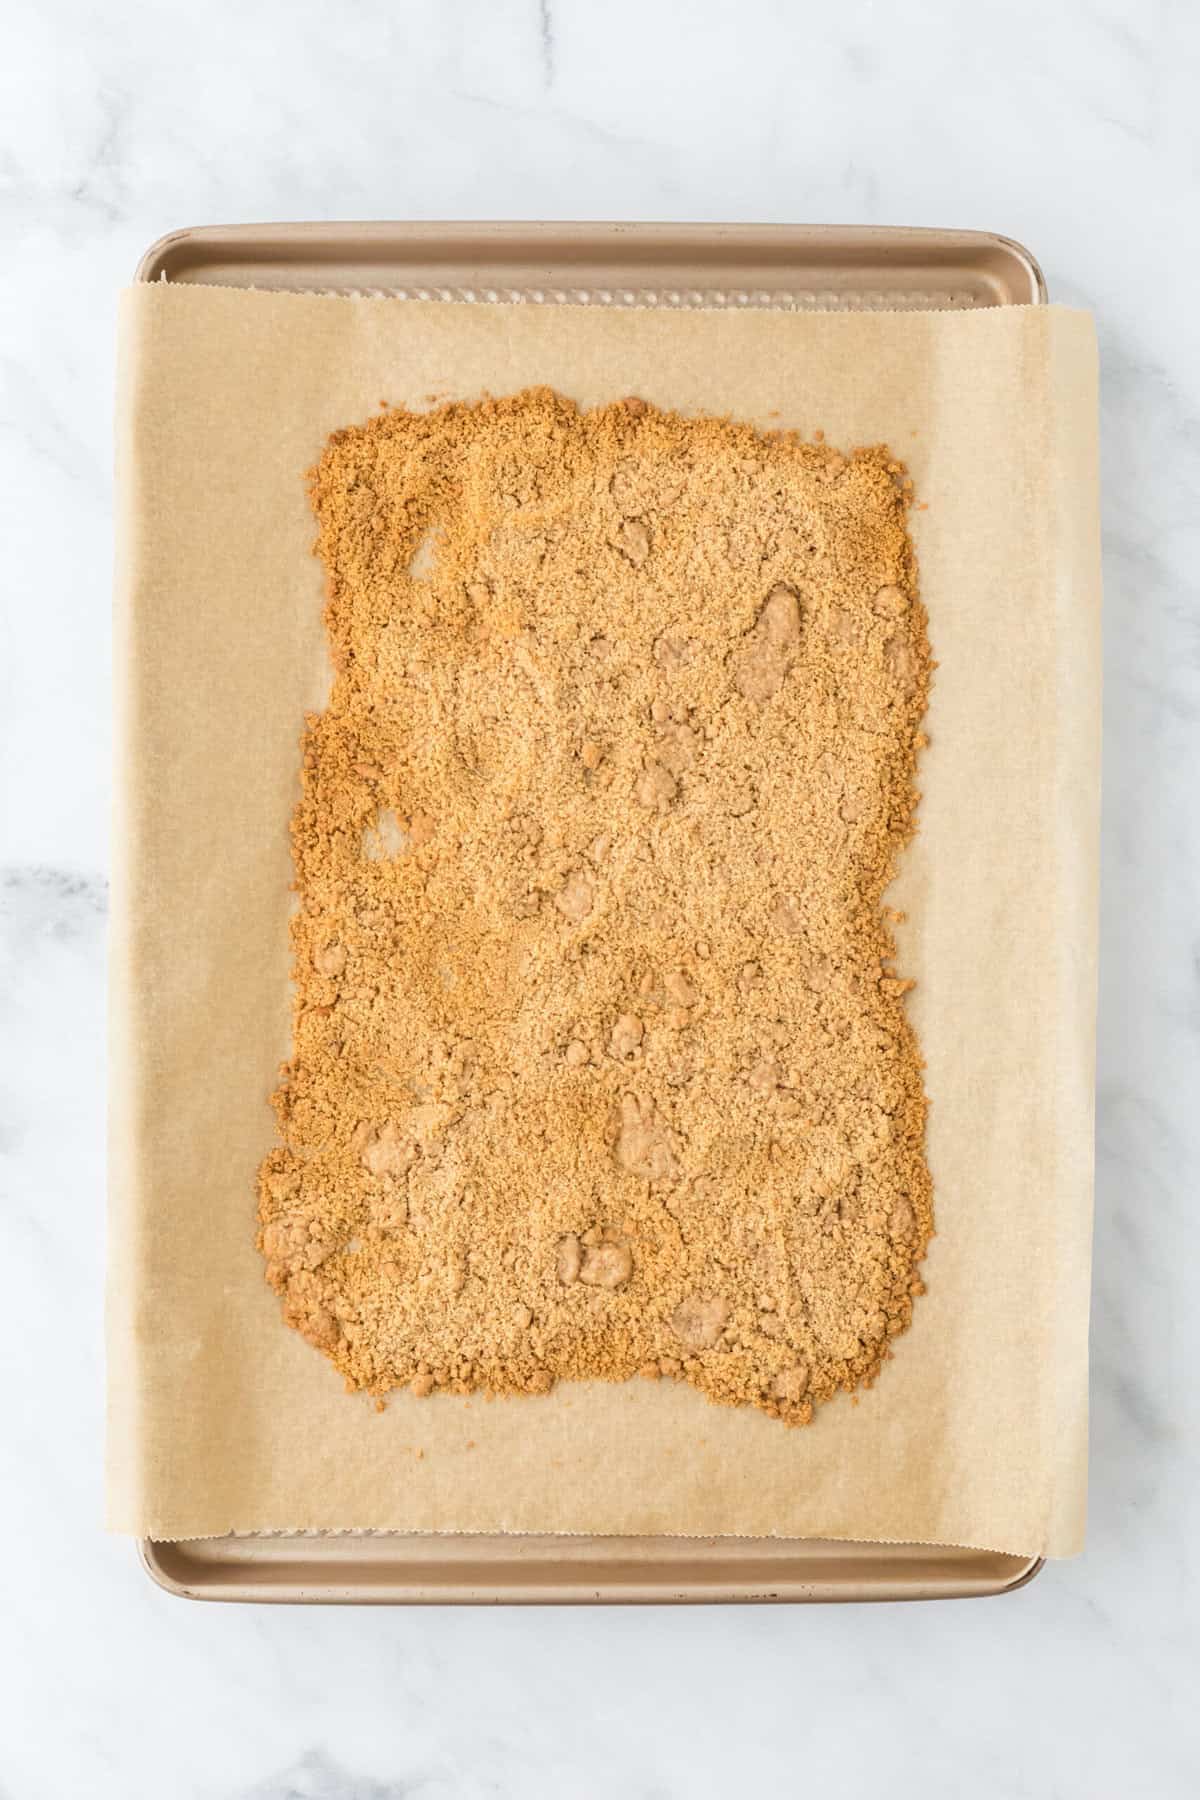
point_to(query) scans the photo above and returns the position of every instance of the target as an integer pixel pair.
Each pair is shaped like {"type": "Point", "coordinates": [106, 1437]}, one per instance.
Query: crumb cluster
{"type": "Point", "coordinates": [601, 1064]}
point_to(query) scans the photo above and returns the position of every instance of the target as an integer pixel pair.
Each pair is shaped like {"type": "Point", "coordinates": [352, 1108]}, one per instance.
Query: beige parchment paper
{"type": "Point", "coordinates": [221, 1419]}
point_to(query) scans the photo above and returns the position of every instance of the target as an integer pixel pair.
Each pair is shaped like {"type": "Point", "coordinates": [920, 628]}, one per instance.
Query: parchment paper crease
{"type": "Point", "coordinates": [221, 1419]}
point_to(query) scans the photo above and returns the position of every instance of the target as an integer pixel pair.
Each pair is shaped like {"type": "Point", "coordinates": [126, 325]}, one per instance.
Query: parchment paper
{"type": "Point", "coordinates": [221, 1419]}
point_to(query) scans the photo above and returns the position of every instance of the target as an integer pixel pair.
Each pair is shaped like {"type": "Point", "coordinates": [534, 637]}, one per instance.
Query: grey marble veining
{"type": "Point", "coordinates": [1073, 127]}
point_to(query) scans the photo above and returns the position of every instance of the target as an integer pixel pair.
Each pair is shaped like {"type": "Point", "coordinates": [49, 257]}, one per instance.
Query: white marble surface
{"type": "Point", "coordinates": [1071, 126]}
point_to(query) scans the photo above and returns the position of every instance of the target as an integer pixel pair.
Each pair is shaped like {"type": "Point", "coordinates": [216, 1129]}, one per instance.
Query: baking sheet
{"type": "Point", "coordinates": [221, 1420]}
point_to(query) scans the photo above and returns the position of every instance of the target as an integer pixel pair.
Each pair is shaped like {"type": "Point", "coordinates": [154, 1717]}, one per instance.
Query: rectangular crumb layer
{"type": "Point", "coordinates": [600, 1065]}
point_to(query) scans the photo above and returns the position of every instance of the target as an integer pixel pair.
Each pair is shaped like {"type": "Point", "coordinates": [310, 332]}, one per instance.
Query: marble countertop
{"type": "Point", "coordinates": [1071, 127]}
